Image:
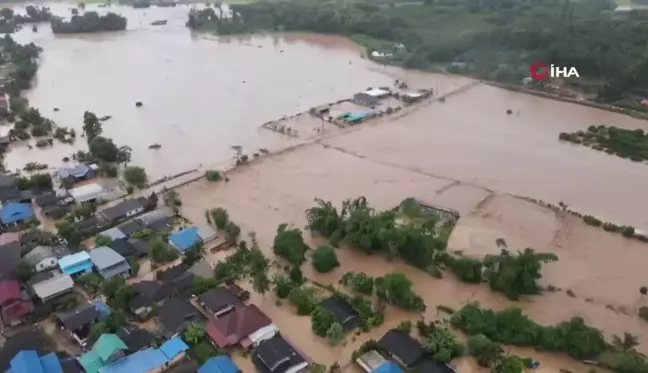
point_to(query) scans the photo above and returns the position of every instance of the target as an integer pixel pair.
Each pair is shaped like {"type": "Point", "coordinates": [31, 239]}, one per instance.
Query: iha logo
{"type": "Point", "coordinates": [541, 71]}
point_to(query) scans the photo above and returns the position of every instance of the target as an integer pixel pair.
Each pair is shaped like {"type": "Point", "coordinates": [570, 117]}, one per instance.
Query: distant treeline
{"type": "Point", "coordinates": [10, 21]}
{"type": "Point", "coordinates": [624, 143]}
{"type": "Point", "coordinates": [490, 39]}
{"type": "Point", "coordinates": [89, 22]}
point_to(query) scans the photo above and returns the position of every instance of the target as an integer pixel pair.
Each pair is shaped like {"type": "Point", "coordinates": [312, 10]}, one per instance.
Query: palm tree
{"type": "Point", "coordinates": [627, 343]}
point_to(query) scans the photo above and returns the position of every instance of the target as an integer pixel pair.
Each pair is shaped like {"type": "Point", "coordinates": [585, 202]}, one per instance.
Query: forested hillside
{"type": "Point", "coordinates": [489, 39]}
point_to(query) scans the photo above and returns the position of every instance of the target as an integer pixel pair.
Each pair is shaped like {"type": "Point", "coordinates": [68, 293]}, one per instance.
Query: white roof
{"type": "Point", "coordinates": [53, 286]}
{"type": "Point", "coordinates": [86, 191]}
{"type": "Point", "coordinates": [377, 92]}
{"type": "Point", "coordinates": [206, 233]}
{"type": "Point", "coordinates": [414, 94]}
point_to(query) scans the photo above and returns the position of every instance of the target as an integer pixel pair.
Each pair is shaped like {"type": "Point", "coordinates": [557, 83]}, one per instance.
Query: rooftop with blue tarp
{"type": "Point", "coordinates": [74, 263]}
{"type": "Point", "coordinates": [29, 362]}
{"type": "Point", "coordinates": [219, 364]}
{"type": "Point", "coordinates": [14, 212]}
{"type": "Point", "coordinates": [185, 239]}
{"type": "Point", "coordinates": [174, 347]}
{"type": "Point", "coordinates": [388, 367]}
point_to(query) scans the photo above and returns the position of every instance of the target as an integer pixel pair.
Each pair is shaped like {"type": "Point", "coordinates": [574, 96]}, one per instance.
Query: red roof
{"type": "Point", "coordinates": [9, 290]}
{"type": "Point", "coordinates": [645, 102]}
{"type": "Point", "coordinates": [230, 329]}
{"type": "Point", "coordinates": [17, 309]}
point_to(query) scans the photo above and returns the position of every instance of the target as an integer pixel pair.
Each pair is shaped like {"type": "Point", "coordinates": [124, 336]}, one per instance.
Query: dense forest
{"type": "Point", "coordinates": [88, 22]}
{"type": "Point", "coordinates": [489, 39]}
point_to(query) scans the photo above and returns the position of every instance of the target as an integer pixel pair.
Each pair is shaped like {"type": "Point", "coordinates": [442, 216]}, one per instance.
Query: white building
{"type": "Point", "coordinates": [87, 193]}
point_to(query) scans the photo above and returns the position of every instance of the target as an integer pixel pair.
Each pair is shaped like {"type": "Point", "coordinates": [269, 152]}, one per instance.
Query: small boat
{"type": "Point", "coordinates": [161, 22]}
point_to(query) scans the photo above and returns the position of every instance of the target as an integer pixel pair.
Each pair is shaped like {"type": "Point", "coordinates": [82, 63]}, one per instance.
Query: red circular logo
{"type": "Point", "coordinates": [539, 71]}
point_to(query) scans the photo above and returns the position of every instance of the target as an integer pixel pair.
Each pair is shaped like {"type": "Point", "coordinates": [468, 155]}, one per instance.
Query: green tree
{"type": "Point", "coordinates": [510, 364]}
{"type": "Point", "coordinates": [283, 286]}
{"type": "Point", "coordinates": [69, 232]}
{"type": "Point", "coordinates": [233, 232]}
{"type": "Point", "coordinates": [212, 175]}
{"type": "Point", "coordinates": [304, 298]}
{"type": "Point", "coordinates": [195, 334]}
{"type": "Point", "coordinates": [321, 320]}
{"type": "Point", "coordinates": [102, 240]}
{"type": "Point", "coordinates": [442, 344]}
{"type": "Point", "coordinates": [335, 334]}
{"type": "Point", "coordinates": [193, 254]}
{"type": "Point", "coordinates": [220, 217]}
{"type": "Point", "coordinates": [135, 175]}
{"type": "Point", "coordinates": [487, 352]}
{"type": "Point", "coordinates": [103, 149]}
{"type": "Point", "coordinates": [160, 252]}
{"type": "Point", "coordinates": [324, 218]}
{"type": "Point", "coordinates": [516, 275]}
{"type": "Point", "coordinates": [324, 259]}
{"type": "Point", "coordinates": [91, 126]}
{"type": "Point", "coordinates": [296, 275]}
{"type": "Point", "coordinates": [359, 282]}
{"type": "Point", "coordinates": [88, 22]}
{"type": "Point", "coordinates": [627, 343]}
{"type": "Point", "coordinates": [396, 289]}
{"type": "Point", "coordinates": [23, 271]}
{"type": "Point", "coordinates": [467, 269]}
{"type": "Point", "coordinates": [289, 244]}
{"type": "Point", "coordinates": [259, 267]}
{"type": "Point", "coordinates": [7, 13]}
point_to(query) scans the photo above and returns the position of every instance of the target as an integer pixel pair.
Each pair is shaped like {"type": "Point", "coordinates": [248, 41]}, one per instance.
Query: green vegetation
{"type": "Point", "coordinates": [136, 176]}
{"type": "Point", "coordinates": [219, 217]}
{"type": "Point", "coordinates": [419, 239]}
{"type": "Point", "coordinates": [493, 40]}
{"type": "Point", "coordinates": [9, 21]}
{"type": "Point", "coordinates": [213, 175]}
{"type": "Point", "coordinates": [511, 327]}
{"type": "Point", "coordinates": [289, 244]}
{"type": "Point", "coordinates": [91, 283]}
{"type": "Point", "coordinates": [160, 252]}
{"type": "Point", "coordinates": [304, 298]}
{"type": "Point", "coordinates": [89, 22]}
{"type": "Point", "coordinates": [23, 271]}
{"type": "Point", "coordinates": [359, 282]}
{"type": "Point", "coordinates": [246, 263]}
{"type": "Point", "coordinates": [324, 259]}
{"type": "Point", "coordinates": [395, 288]}
{"type": "Point", "coordinates": [511, 274]}
{"type": "Point", "coordinates": [321, 321]}
{"type": "Point", "coordinates": [116, 320]}
{"type": "Point", "coordinates": [102, 240]}
{"type": "Point", "coordinates": [335, 334]}
{"type": "Point", "coordinates": [38, 181]}
{"type": "Point", "coordinates": [200, 347]}
{"type": "Point", "coordinates": [439, 341]}
{"type": "Point", "coordinates": [643, 313]}
{"type": "Point", "coordinates": [624, 143]}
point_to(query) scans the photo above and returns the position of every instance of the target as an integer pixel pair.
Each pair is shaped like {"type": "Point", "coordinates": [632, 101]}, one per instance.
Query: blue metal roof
{"type": "Point", "coordinates": [26, 362]}
{"type": "Point", "coordinates": [81, 267]}
{"type": "Point", "coordinates": [13, 212]}
{"type": "Point", "coordinates": [174, 347]}
{"type": "Point", "coordinates": [51, 363]}
{"type": "Point", "coordinates": [219, 364]}
{"type": "Point", "coordinates": [74, 259]}
{"type": "Point", "coordinates": [139, 362]}
{"type": "Point", "coordinates": [186, 238]}
{"type": "Point", "coordinates": [388, 367]}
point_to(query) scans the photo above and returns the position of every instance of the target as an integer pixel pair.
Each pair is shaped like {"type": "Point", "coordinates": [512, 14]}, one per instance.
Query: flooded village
{"type": "Point", "coordinates": [216, 262]}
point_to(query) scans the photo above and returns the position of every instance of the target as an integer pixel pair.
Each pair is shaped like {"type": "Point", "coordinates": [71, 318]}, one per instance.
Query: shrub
{"type": "Point", "coordinates": [324, 259]}
{"type": "Point", "coordinates": [643, 313]}
{"type": "Point", "coordinates": [135, 175]}
{"type": "Point", "coordinates": [212, 175]}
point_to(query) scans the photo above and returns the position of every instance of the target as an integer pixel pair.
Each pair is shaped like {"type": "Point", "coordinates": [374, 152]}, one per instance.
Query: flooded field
{"type": "Point", "coordinates": [465, 159]}
{"type": "Point", "coordinates": [201, 94]}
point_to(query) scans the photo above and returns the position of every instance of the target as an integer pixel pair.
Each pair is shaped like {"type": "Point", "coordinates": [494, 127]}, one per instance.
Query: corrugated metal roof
{"type": "Point", "coordinates": [104, 257]}
{"type": "Point", "coordinates": [52, 286]}
{"type": "Point", "coordinates": [73, 259]}
{"type": "Point", "coordinates": [113, 233]}
{"type": "Point", "coordinates": [85, 191]}
{"type": "Point", "coordinates": [173, 347]}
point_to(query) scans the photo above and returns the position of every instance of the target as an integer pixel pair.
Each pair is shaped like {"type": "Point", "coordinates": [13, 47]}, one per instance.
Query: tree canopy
{"type": "Point", "coordinates": [135, 175]}
{"type": "Point", "coordinates": [88, 22]}
{"type": "Point", "coordinates": [289, 244]}
{"type": "Point", "coordinates": [324, 259]}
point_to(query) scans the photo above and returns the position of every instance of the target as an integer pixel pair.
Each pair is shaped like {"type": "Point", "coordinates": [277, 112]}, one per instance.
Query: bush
{"type": "Point", "coordinates": [359, 282]}
{"type": "Point", "coordinates": [220, 217]}
{"type": "Point", "coordinates": [324, 259]}
{"type": "Point", "coordinates": [405, 326]}
{"type": "Point", "coordinates": [321, 321]}
{"type": "Point", "coordinates": [467, 269]}
{"type": "Point", "coordinates": [135, 175]}
{"type": "Point", "coordinates": [213, 175]}
{"type": "Point", "coordinates": [289, 244]}
{"type": "Point", "coordinates": [304, 299]}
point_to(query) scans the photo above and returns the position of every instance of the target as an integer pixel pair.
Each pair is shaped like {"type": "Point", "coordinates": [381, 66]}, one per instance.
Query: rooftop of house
{"type": "Point", "coordinates": [219, 364]}
{"type": "Point", "coordinates": [343, 312]}
{"type": "Point", "coordinates": [206, 232]}
{"type": "Point", "coordinates": [28, 361]}
{"type": "Point", "coordinates": [83, 315]}
{"type": "Point", "coordinates": [202, 269]}
{"type": "Point", "coordinates": [85, 191]}
{"type": "Point", "coordinates": [13, 212]}
{"type": "Point", "coordinates": [155, 215]}
{"type": "Point", "coordinates": [10, 254]}
{"type": "Point", "coordinates": [185, 239]}
{"type": "Point", "coordinates": [122, 209]}
{"type": "Point", "coordinates": [105, 257]}
{"type": "Point", "coordinates": [186, 366]}
{"type": "Point", "coordinates": [130, 227]}
{"type": "Point", "coordinates": [141, 246]}
{"type": "Point", "coordinates": [29, 339]}
{"type": "Point", "coordinates": [37, 254]}
{"type": "Point", "coordinates": [114, 233]}
{"type": "Point", "coordinates": [427, 365]}
{"type": "Point", "coordinates": [175, 314]}
{"type": "Point", "coordinates": [388, 367]}
{"type": "Point", "coordinates": [276, 355]}
{"type": "Point", "coordinates": [122, 247]}
{"type": "Point", "coordinates": [78, 171]}
{"type": "Point", "coordinates": [46, 200]}
{"type": "Point", "coordinates": [219, 298]}
{"type": "Point", "coordinates": [106, 346]}
{"type": "Point", "coordinates": [233, 327]}
{"type": "Point", "coordinates": [402, 346]}
{"type": "Point", "coordinates": [9, 193]}
{"type": "Point", "coordinates": [149, 359]}
{"type": "Point", "coordinates": [74, 259]}
{"type": "Point", "coordinates": [135, 339]}
{"type": "Point", "coordinates": [9, 291]}
{"type": "Point", "coordinates": [52, 286]}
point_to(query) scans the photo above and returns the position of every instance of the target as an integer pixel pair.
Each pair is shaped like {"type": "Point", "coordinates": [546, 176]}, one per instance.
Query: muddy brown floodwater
{"type": "Point", "coordinates": [203, 94]}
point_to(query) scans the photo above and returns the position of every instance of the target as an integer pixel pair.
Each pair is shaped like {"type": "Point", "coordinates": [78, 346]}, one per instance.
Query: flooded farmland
{"type": "Point", "coordinates": [203, 94]}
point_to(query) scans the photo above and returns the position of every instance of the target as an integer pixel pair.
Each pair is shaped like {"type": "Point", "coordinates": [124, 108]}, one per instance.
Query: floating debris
{"type": "Point", "coordinates": [509, 112]}
{"type": "Point", "coordinates": [138, 104]}
{"type": "Point", "coordinates": [56, 109]}
{"type": "Point", "coordinates": [155, 146]}
{"type": "Point", "coordinates": [35, 29]}
{"type": "Point", "coordinates": [66, 159]}
{"type": "Point", "coordinates": [161, 22]}
{"type": "Point", "coordinates": [105, 118]}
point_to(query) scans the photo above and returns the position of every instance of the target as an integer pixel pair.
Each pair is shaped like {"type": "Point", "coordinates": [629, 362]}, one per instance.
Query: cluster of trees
{"type": "Point", "coordinates": [360, 282]}
{"type": "Point", "coordinates": [213, 175]}
{"type": "Point", "coordinates": [160, 251]}
{"type": "Point", "coordinates": [289, 244]}
{"type": "Point", "coordinates": [495, 40]}
{"type": "Point", "coordinates": [358, 225]}
{"type": "Point", "coordinates": [201, 348]}
{"type": "Point", "coordinates": [88, 22]}
{"type": "Point", "coordinates": [395, 288]}
{"type": "Point", "coordinates": [101, 149]}
{"type": "Point", "coordinates": [624, 143]}
{"type": "Point", "coordinates": [512, 327]}
{"type": "Point", "coordinates": [135, 175]}
{"type": "Point", "coordinates": [10, 21]}
{"type": "Point", "coordinates": [220, 218]}
{"type": "Point", "coordinates": [439, 341]}
{"type": "Point", "coordinates": [246, 263]}
{"type": "Point", "coordinates": [509, 273]}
